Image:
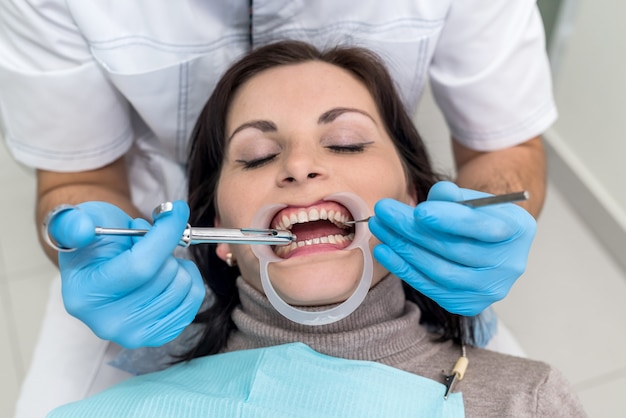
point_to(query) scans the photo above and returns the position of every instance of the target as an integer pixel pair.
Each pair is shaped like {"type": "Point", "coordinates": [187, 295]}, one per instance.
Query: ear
{"type": "Point", "coordinates": [222, 250]}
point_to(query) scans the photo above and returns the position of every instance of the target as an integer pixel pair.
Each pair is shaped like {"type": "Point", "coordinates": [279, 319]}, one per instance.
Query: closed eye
{"type": "Point", "coordinates": [256, 163]}
{"type": "Point", "coordinates": [349, 148]}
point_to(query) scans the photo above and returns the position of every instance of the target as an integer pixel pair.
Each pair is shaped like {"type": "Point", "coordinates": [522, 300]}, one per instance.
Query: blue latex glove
{"type": "Point", "coordinates": [132, 291]}
{"type": "Point", "coordinates": [463, 258]}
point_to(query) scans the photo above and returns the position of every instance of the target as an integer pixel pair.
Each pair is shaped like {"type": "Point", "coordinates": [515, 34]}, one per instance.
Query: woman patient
{"type": "Point", "coordinates": [298, 139]}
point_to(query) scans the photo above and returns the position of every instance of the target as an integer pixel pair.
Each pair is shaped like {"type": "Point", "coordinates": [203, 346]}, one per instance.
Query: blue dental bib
{"type": "Point", "coordinates": [290, 380]}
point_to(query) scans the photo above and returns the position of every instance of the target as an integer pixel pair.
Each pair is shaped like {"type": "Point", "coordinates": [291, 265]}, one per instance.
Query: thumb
{"type": "Point", "coordinates": [445, 191]}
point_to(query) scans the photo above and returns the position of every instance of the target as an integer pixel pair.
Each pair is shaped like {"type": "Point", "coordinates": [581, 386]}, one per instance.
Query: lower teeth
{"type": "Point", "coordinates": [330, 239]}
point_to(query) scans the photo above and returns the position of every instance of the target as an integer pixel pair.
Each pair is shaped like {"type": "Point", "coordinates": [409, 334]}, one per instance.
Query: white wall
{"type": "Point", "coordinates": [588, 142]}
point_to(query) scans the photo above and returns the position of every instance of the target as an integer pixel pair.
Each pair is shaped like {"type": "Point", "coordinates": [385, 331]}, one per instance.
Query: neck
{"type": "Point", "coordinates": [384, 328]}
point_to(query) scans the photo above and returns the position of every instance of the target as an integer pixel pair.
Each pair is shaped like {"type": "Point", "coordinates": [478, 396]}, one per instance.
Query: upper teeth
{"type": "Point", "coordinates": [311, 215]}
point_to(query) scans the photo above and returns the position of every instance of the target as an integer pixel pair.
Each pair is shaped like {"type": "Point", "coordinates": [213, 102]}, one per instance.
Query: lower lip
{"type": "Point", "coordinates": [315, 249]}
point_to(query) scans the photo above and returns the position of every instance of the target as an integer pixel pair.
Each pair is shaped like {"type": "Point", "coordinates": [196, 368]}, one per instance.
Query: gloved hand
{"type": "Point", "coordinates": [132, 291]}
{"type": "Point", "coordinates": [461, 257]}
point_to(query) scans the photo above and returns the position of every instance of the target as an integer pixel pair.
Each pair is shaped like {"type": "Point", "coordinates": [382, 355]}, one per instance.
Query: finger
{"type": "Point", "coordinates": [182, 279]}
{"type": "Point", "coordinates": [446, 191]}
{"type": "Point", "coordinates": [410, 258]}
{"type": "Point", "coordinates": [396, 220]}
{"type": "Point", "coordinates": [448, 260]}
{"type": "Point", "coordinates": [148, 254]}
{"type": "Point", "coordinates": [450, 192]}
{"type": "Point", "coordinates": [395, 264]}
{"type": "Point", "coordinates": [115, 285]}
{"type": "Point", "coordinates": [72, 228]}
{"type": "Point", "coordinates": [139, 223]}
{"type": "Point", "coordinates": [490, 283]}
{"type": "Point", "coordinates": [483, 224]}
{"type": "Point", "coordinates": [396, 234]}
{"type": "Point", "coordinates": [390, 213]}
{"type": "Point", "coordinates": [176, 311]}
{"type": "Point", "coordinates": [411, 238]}
{"type": "Point", "coordinates": [447, 217]}
{"type": "Point", "coordinates": [131, 305]}
{"type": "Point", "coordinates": [105, 214]}
{"type": "Point", "coordinates": [456, 302]}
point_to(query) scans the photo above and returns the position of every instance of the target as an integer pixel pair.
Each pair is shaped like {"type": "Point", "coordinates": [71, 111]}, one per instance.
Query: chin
{"type": "Point", "coordinates": [317, 279]}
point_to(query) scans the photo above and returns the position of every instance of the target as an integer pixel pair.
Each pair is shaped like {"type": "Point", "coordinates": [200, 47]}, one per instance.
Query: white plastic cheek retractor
{"type": "Point", "coordinates": [266, 255]}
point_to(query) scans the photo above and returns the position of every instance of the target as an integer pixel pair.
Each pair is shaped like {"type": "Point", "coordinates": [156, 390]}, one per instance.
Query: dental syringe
{"type": "Point", "coordinates": [196, 235]}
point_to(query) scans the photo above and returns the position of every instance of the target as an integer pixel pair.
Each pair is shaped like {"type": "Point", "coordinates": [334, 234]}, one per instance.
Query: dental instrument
{"type": "Point", "coordinates": [195, 235]}
{"type": "Point", "coordinates": [191, 235]}
{"type": "Point", "coordinates": [496, 199]}
{"type": "Point", "coordinates": [476, 203]}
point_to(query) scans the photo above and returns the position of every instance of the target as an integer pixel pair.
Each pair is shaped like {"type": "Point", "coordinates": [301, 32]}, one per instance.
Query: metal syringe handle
{"type": "Point", "coordinates": [197, 235]}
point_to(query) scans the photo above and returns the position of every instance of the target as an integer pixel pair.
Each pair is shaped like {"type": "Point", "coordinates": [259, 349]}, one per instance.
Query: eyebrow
{"type": "Point", "coordinates": [332, 114]}
{"type": "Point", "coordinates": [261, 125]}
{"type": "Point", "coordinates": [326, 117]}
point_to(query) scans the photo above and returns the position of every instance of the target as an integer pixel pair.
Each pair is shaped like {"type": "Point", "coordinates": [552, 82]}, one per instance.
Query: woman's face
{"type": "Point", "coordinates": [297, 134]}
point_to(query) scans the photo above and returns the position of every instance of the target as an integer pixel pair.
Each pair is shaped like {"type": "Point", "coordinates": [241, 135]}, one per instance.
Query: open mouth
{"type": "Point", "coordinates": [318, 228]}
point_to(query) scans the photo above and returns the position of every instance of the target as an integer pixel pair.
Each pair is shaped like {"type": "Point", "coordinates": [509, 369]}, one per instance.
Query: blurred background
{"type": "Point", "coordinates": [569, 308]}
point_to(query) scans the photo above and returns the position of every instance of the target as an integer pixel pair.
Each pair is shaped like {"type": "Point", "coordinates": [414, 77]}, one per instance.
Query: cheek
{"type": "Point", "coordinates": [383, 178]}
{"type": "Point", "coordinates": [238, 200]}
{"type": "Point", "coordinates": [227, 203]}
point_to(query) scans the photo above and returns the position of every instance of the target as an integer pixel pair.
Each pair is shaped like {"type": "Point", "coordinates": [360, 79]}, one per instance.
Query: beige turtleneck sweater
{"type": "Point", "coordinates": [386, 329]}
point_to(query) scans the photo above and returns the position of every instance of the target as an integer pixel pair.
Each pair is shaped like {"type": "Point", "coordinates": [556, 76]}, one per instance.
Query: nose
{"type": "Point", "coordinates": [300, 166]}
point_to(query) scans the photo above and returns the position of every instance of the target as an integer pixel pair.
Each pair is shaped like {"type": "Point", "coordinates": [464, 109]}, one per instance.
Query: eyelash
{"type": "Point", "coordinates": [248, 165]}
{"type": "Point", "coordinates": [340, 149]}
{"type": "Point", "coordinates": [352, 148]}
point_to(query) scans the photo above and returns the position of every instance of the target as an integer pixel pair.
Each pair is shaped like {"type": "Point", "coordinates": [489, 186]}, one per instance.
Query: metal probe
{"type": "Point", "coordinates": [476, 203]}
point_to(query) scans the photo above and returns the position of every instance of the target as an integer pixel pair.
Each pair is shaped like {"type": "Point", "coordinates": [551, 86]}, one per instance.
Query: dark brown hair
{"type": "Point", "coordinates": [207, 152]}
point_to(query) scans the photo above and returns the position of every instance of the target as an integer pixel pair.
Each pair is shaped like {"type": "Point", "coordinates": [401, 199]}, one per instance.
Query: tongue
{"type": "Point", "coordinates": [317, 229]}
